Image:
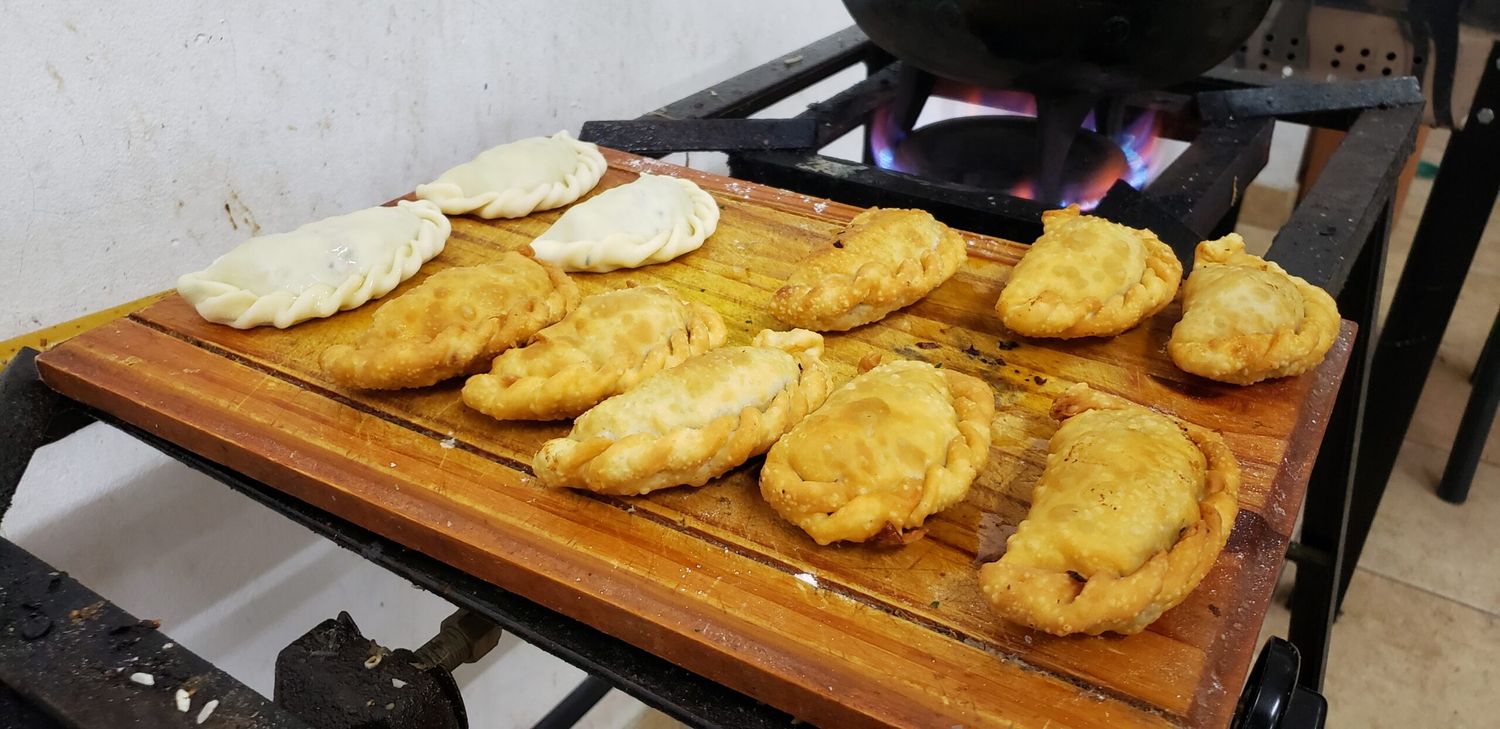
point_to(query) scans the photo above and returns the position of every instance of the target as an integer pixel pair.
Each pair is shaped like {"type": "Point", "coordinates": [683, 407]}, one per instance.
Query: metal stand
{"type": "Point", "coordinates": [1442, 251]}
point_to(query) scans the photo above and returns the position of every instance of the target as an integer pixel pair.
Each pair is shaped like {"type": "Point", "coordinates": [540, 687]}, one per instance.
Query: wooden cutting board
{"type": "Point", "coordinates": [711, 578]}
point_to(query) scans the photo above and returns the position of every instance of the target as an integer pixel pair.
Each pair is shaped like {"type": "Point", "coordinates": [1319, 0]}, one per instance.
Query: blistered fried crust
{"type": "Point", "coordinates": [693, 422]}
{"type": "Point", "coordinates": [1088, 277]}
{"type": "Point", "coordinates": [453, 324]}
{"type": "Point", "coordinates": [1065, 601]}
{"type": "Point", "coordinates": [884, 260]}
{"type": "Point", "coordinates": [612, 341]}
{"type": "Point", "coordinates": [891, 447]}
{"type": "Point", "coordinates": [1244, 319]}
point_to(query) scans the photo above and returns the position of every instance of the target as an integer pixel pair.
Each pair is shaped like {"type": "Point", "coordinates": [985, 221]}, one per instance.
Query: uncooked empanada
{"type": "Point", "coordinates": [884, 260]}
{"type": "Point", "coordinates": [651, 220]}
{"type": "Point", "coordinates": [516, 179]}
{"type": "Point", "coordinates": [1088, 277]}
{"type": "Point", "coordinates": [693, 422]}
{"type": "Point", "coordinates": [608, 344]}
{"type": "Point", "coordinates": [1129, 515]}
{"type": "Point", "coordinates": [891, 447]}
{"type": "Point", "coordinates": [1244, 319]}
{"type": "Point", "coordinates": [453, 324]}
{"type": "Point", "coordinates": [318, 269]}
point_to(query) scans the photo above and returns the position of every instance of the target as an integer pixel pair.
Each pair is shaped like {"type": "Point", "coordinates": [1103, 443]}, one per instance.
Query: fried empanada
{"type": "Point", "coordinates": [319, 269]}
{"type": "Point", "coordinates": [1129, 515]}
{"type": "Point", "coordinates": [453, 324]}
{"type": "Point", "coordinates": [693, 422]}
{"type": "Point", "coordinates": [607, 345]}
{"type": "Point", "coordinates": [1244, 319]}
{"type": "Point", "coordinates": [884, 260]}
{"type": "Point", "coordinates": [513, 180]}
{"type": "Point", "coordinates": [1088, 277]}
{"type": "Point", "coordinates": [891, 447]}
{"type": "Point", "coordinates": [652, 220]}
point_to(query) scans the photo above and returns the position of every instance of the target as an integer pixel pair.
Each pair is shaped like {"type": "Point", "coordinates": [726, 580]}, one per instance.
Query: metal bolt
{"type": "Point", "coordinates": [1485, 115]}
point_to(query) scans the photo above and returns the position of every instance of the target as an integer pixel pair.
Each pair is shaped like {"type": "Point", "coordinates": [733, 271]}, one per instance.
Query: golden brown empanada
{"type": "Point", "coordinates": [1129, 515]}
{"type": "Point", "coordinates": [884, 260]}
{"type": "Point", "coordinates": [1244, 319]}
{"type": "Point", "coordinates": [693, 422]}
{"type": "Point", "coordinates": [608, 344]}
{"type": "Point", "coordinates": [891, 447]}
{"type": "Point", "coordinates": [453, 324]}
{"type": "Point", "coordinates": [1088, 277]}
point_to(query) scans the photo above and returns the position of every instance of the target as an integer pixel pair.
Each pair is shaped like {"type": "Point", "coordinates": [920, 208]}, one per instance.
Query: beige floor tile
{"type": "Point", "coordinates": [1402, 657]}
{"type": "Point", "coordinates": [1419, 539]}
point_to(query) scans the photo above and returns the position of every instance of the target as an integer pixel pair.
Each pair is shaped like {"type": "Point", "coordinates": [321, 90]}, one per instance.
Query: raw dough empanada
{"type": "Point", "coordinates": [693, 422]}
{"type": "Point", "coordinates": [608, 344]}
{"type": "Point", "coordinates": [884, 260]}
{"type": "Point", "coordinates": [453, 324]}
{"type": "Point", "coordinates": [651, 220]}
{"type": "Point", "coordinates": [516, 179]}
{"type": "Point", "coordinates": [1244, 319]}
{"type": "Point", "coordinates": [318, 269]}
{"type": "Point", "coordinates": [1088, 277]}
{"type": "Point", "coordinates": [1129, 515]}
{"type": "Point", "coordinates": [891, 447]}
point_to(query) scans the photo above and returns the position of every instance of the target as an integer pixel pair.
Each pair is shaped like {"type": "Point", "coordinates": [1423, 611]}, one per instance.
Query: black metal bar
{"type": "Point", "coordinates": [577, 703]}
{"type": "Point", "coordinates": [1128, 206]}
{"type": "Point", "coordinates": [961, 206]}
{"type": "Point", "coordinates": [852, 106]}
{"type": "Point", "coordinates": [676, 691]}
{"type": "Point", "coordinates": [1203, 184]}
{"type": "Point", "coordinates": [1322, 239]}
{"type": "Point", "coordinates": [1325, 516]}
{"type": "Point", "coordinates": [657, 137]}
{"type": "Point", "coordinates": [32, 416]}
{"type": "Point", "coordinates": [1474, 428]}
{"type": "Point", "coordinates": [1327, 105]}
{"type": "Point", "coordinates": [771, 82]}
{"type": "Point", "coordinates": [70, 655]}
{"type": "Point", "coordinates": [1458, 207]}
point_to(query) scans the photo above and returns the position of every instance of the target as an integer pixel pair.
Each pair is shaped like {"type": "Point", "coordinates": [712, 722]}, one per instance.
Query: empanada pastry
{"type": "Point", "coordinates": [885, 259]}
{"type": "Point", "coordinates": [1129, 515]}
{"type": "Point", "coordinates": [891, 447]}
{"type": "Point", "coordinates": [453, 324]}
{"type": "Point", "coordinates": [651, 220]}
{"type": "Point", "coordinates": [693, 422]}
{"type": "Point", "coordinates": [319, 269]}
{"type": "Point", "coordinates": [1088, 277]}
{"type": "Point", "coordinates": [607, 345]}
{"type": "Point", "coordinates": [513, 180]}
{"type": "Point", "coordinates": [1244, 319]}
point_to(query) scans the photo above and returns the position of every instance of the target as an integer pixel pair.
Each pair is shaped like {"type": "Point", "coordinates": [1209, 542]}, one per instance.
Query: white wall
{"type": "Point", "coordinates": [139, 140]}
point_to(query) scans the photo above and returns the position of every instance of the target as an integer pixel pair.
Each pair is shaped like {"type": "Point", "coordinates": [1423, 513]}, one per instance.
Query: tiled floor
{"type": "Point", "coordinates": [1418, 644]}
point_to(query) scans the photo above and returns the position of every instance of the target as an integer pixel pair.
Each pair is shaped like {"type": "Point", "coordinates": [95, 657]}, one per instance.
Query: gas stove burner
{"type": "Point", "coordinates": [1000, 153]}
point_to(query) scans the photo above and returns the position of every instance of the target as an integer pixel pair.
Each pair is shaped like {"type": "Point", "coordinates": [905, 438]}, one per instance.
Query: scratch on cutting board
{"type": "Point", "coordinates": [247, 396]}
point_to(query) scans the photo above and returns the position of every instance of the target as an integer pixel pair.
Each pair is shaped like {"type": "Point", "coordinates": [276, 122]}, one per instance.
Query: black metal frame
{"type": "Point", "coordinates": [1336, 239]}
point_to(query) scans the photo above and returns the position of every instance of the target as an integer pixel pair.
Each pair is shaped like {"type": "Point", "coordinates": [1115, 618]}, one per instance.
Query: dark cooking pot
{"type": "Point", "coordinates": [1061, 46]}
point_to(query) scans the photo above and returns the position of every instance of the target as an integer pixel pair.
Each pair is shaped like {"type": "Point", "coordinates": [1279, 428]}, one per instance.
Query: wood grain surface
{"type": "Point", "coordinates": [708, 578]}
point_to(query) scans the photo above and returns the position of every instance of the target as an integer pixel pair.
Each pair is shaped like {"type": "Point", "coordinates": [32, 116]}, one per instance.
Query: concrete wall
{"type": "Point", "coordinates": [139, 140]}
